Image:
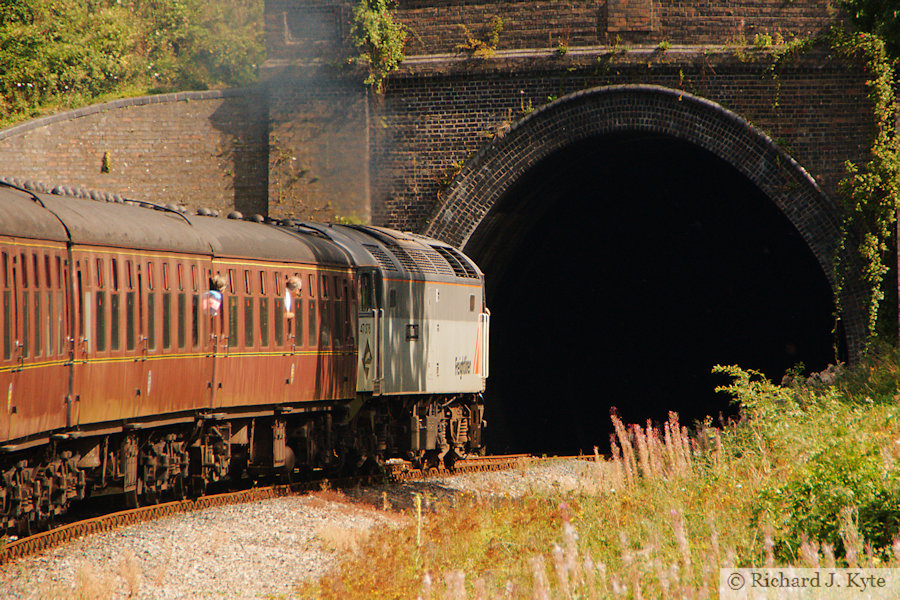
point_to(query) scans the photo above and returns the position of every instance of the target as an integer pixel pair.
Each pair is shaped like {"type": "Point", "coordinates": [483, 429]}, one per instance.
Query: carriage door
{"type": "Point", "coordinates": [370, 317]}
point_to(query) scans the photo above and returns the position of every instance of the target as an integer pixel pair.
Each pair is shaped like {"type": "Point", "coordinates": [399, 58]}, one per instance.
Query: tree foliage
{"type": "Point", "coordinates": [881, 17]}
{"type": "Point", "coordinates": [66, 53]}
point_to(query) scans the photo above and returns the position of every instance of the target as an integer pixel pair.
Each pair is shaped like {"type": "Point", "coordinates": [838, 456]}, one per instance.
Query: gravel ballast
{"type": "Point", "coordinates": [254, 550]}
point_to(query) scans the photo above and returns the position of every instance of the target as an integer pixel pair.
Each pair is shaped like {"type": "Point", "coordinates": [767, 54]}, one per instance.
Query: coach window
{"type": "Point", "coordinates": [166, 317]}
{"type": "Point", "coordinates": [48, 272]}
{"type": "Point", "coordinates": [34, 270]}
{"type": "Point", "coordinates": [114, 321]}
{"type": "Point", "coordinates": [472, 303]}
{"type": "Point", "coordinates": [78, 293]}
{"type": "Point", "coordinates": [338, 313]}
{"type": "Point", "coordinates": [100, 316]}
{"type": "Point", "coordinates": [247, 286]}
{"type": "Point", "coordinates": [26, 319]}
{"type": "Point", "coordinates": [61, 307]}
{"type": "Point", "coordinates": [100, 272]}
{"type": "Point", "coordinates": [150, 277]}
{"type": "Point", "coordinates": [129, 320]}
{"type": "Point", "coordinates": [151, 320]}
{"type": "Point", "coordinates": [114, 313]}
{"type": "Point", "coordinates": [311, 323]}
{"type": "Point", "coordinates": [324, 314]}
{"type": "Point", "coordinates": [182, 319]}
{"type": "Point", "coordinates": [195, 320]}
{"type": "Point", "coordinates": [129, 279]}
{"type": "Point", "coordinates": [263, 314]}
{"type": "Point", "coordinates": [262, 283]}
{"type": "Point", "coordinates": [180, 271]}
{"type": "Point", "coordinates": [230, 281]}
{"type": "Point", "coordinates": [248, 321]}
{"type": "Point", "coordinates": [298, 318]}
{"type": "Point", "coordinates": [23, 263]}
{"type": "Point", "coordinates": [165, 276]}
{"type": "Point", "coordinates": [233, 322]}
{"type": "Point", "coordinates": [7, 308]}
{"type": "Point", "coordinates": [278, 307]}
{"type": "Point", "coordinates": [38, 349]}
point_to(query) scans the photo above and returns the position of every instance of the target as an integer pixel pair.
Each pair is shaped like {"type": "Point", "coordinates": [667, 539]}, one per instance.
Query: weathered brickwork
{"type": "Point", "coordinates": [318, 146]}
{"type": "Point", "coordinates": [440, 115]}
{"type": "Point", "coordinates": [656, 110]}
{"type": "Point", "coordinates": [440, 26]}
{"type": "Point", "coordinates": [203, 149]}
{"type": "Point", "coordinates": [320, 28]}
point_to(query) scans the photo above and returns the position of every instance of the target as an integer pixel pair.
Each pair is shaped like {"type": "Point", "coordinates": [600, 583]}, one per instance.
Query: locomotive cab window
{"type": "Point", "coordinates": [366, 292]}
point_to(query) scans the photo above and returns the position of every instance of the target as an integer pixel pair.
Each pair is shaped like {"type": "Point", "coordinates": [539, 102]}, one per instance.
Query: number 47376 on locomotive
{"type": "Point", "coordinates": [150, 352]}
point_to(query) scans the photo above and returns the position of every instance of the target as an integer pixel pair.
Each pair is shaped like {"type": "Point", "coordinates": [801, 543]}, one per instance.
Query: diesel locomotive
{"type": "Point", "coordinates": [149, 352]}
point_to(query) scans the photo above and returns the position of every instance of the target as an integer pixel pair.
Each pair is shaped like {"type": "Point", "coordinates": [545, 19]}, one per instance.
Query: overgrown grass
{"type": "Point", "coordinates": [57, 55]}
{"type": "Point", "coordinates": [809, 475]}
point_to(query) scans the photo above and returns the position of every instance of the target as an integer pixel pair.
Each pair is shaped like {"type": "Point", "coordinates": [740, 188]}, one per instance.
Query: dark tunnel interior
{"type": "Point", "coordinates": [620, 270]}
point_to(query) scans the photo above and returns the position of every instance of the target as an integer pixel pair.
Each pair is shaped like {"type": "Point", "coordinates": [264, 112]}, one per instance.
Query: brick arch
{"type": "Point", "coordinates": [663, 111]}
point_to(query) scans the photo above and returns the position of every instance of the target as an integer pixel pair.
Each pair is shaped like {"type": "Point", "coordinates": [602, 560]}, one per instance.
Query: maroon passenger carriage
{"type": "Point", "coordinates": [124, 369]}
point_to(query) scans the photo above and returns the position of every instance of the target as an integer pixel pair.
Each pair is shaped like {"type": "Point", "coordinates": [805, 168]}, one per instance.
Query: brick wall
{"type": "Point", "coordinates": [201, 149]}
{"type": "Point", "coordinates": [438, 115]}
{"type": "Point", "coordinates": [439, 26]}
{"type": "Point", "coordinates": [320, 28]}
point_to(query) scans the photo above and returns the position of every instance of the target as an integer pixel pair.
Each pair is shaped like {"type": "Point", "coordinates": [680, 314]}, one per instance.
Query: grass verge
{"type": "Point", "coordinates": [809, 475]}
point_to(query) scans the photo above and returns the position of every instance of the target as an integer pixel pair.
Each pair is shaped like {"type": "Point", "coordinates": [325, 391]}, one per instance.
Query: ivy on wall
{"type": "Point", "coordinates": [379, 39]}
{"type": "Point", "coordinates": [870, 193]}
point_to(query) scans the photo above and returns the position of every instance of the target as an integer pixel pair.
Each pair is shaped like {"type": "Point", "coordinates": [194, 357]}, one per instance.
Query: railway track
{"type": "Point", "coordinates": [395, 472]}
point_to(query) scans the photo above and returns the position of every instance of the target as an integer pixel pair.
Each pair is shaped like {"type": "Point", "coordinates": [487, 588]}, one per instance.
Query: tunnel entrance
{"type": "Point", "coordinates": [620, 269]}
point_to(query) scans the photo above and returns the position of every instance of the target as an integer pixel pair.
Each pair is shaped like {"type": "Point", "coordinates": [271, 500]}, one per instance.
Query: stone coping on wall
{"type": "Point", "coordinates": [581, 57]}
{"type": "Point", "coordinates": [124, 103]}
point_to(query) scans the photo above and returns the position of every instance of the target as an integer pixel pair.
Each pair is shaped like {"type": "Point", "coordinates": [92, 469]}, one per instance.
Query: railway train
{"type": "Point", "coordinates": [149, 352]}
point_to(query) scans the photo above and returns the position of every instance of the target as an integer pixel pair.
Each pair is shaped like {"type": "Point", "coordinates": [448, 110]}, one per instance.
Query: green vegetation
{"type": "Point", "coordinates": [879, 17]}
{"type": "Point", "coordinates": [870, 194]}
{"type": "Point", "coordinates": [809, 476]}
{"type": "Point", "coordinates": [379, 39]}
{"type": "Point", "coordinates": [59, 55]}
{"type": "Point", "coordinates": [486, 45]}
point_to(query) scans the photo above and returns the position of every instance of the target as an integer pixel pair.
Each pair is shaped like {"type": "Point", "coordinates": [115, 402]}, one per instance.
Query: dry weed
{"type": "Point", "coordinates": [91, 585]}
{"type": "Point", "coordinates": [130, 572]}
{"type": "Point", "coordinates": [341, 539]}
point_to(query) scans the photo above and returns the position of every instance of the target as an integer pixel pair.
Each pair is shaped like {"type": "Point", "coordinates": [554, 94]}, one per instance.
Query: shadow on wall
{"type": "Point", "coordinates": [243, 154]}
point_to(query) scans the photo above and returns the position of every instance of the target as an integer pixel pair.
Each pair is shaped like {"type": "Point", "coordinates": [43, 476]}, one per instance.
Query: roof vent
{"type": "Point", "coordinates": [235, 215]}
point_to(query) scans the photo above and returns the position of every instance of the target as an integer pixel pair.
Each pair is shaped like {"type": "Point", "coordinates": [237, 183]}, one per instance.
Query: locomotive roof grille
{"type": "Point", "coordinates": [461, 266]}
{"type": "Point", "coordinates": [381, 256]}
{"type": "Point", "coordinates": [440, 265]}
